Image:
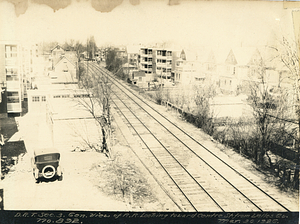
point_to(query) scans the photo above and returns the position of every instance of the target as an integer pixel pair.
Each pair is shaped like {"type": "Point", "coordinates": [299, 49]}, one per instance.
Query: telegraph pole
{"type": "Point", "coordinates": [296, 17]}
{"type": "Point", "coordinates": [87, 54]}
{"type": "Point", "coordinates": [1, 144]}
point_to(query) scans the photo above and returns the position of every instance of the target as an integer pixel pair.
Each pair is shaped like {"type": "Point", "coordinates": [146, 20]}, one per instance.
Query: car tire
{"type": "Point", "coordinates": [46, 169]}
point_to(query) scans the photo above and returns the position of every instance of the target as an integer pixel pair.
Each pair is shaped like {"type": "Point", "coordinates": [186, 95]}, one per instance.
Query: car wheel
{"type": "Point", "coordinates": [48, 171]}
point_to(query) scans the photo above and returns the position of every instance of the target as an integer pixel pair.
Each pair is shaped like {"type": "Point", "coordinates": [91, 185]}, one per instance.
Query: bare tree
{"type": "Point", "coordinates": [91, 47]}
{"type": "Point", "coordinates": [75, 46]}
{"type": "Point", "coordinates": [287, 52]}
{"type": "Point", "coordinates": [269, 112]}
{"type": "Point", "coordinates": [98, 89]}
{"type": "Point", "coordinates": [114, 63]}
{"type": "Point", "coordinates": [203, 94]}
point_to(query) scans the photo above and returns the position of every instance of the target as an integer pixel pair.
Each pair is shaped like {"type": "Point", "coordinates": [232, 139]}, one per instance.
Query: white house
{"type": "Point", "coordinates": [187, 69]}
{"type": "Point", "coordinates": [64, 71]}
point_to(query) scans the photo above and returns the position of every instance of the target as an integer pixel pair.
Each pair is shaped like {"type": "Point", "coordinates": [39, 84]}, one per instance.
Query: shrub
{"type": "Point", "coordinates": [124, 180]}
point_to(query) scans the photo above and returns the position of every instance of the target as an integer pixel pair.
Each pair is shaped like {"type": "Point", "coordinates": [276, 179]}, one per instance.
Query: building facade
{"type": "Point", "coordinates": [146, 60]}
{"type": "Point", "coordinates": [162, 63]}
{"type": "Point", "coordinates": [10, 78]}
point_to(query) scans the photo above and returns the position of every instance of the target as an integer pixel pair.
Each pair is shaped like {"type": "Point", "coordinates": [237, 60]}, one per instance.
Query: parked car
{"type": "Point", "coordinates": [46, 164]}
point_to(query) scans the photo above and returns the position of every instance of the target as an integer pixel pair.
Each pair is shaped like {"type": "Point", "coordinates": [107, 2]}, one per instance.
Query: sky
{"type": "Point", "coordinates": [191, 23]}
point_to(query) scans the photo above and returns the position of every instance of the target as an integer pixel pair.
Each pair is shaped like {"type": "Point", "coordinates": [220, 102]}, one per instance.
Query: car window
{"type": "Point", "coordinates": [45, 158]}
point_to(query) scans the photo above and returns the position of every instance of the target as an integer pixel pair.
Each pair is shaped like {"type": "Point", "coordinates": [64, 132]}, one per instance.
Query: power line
{"type": "Point", "coordinates": [282, 119]}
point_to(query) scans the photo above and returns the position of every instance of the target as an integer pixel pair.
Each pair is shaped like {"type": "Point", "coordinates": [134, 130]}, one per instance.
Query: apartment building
{"type": "Point", "coordinates": [10, 78]}
{"type": "Point", "coordinates": [31, 65]}
{"type": "Point", "coordinates": [146, 60]}
{"type": "Point", "coordinates": [162, 63]}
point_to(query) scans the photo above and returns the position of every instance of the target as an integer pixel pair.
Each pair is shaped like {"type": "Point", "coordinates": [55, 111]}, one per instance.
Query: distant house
{"type": "Point", "coordinates": [228, 80]}
{"type": "Point", "coordinates": [121, 52]}
{"type": "Point", "coordinates": [140, 79]}
{"type": "Point", "coordinates": [128, 69]}
{"type": "Point", "coordinates": [56, 53]}
{"type": "Point", "coordinates": [187, 69]}
{"type": "Point", "coordinates": [133, 55]}
{"type": "Point", "coordinates": [210, 65]}
{"type": "Point", "coordinates": [64, 65]}
{"type": "Point", "coordinates": [188, 55]}
{"type": "Point", "coordinates": [238, 67]}
{"type": "Point", "coordinates": [64, 71]}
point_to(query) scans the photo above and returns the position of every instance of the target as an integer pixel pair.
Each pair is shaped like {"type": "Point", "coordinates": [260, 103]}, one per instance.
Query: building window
{"type": "Point", "coordinates": [158, 52]}
{"type": "Point", "coordinates": [43, 98]}
{"type": "Point", "coordinates": [12, 78]}
{"type": "Point", "coordinates": [13, 97]}
{"type": "Point", "coordinates": [10, 51]}
{"type": "Point", "coordinates": [12, 94]}
{"type": "Point", "coordinates": [35, 99]}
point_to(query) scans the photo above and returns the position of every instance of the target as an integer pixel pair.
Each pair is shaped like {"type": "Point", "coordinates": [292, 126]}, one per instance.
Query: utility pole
{"type": "Point", "coordinates": [87, 54]}
{"type": "Point", "coordinates": [1, 144]}
{"type": "Point", "coordinates": [296, 17]}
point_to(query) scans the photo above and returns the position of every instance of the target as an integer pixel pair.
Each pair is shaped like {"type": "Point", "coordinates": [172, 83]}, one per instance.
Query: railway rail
{"type": "Point", "coordinates": [197, 178]}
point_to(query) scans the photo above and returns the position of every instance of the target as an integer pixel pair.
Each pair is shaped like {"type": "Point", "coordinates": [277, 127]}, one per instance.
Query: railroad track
{"type": "Point", "coordinates": [196, 178]}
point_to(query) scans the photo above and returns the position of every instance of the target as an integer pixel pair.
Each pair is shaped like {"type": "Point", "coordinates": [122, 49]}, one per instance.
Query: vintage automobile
{"type": "Point", "coordinates": [46, 164]}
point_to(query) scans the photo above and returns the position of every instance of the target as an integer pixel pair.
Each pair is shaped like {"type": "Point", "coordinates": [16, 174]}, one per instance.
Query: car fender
{"type": "Point", "coordinates": [59, 171]}
{"type": "Point", "coordinates": [36, 173]}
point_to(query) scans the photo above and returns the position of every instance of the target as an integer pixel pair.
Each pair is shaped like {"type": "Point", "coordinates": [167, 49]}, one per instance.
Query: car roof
{"type": "Point", "coordinates": [43, 151]}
